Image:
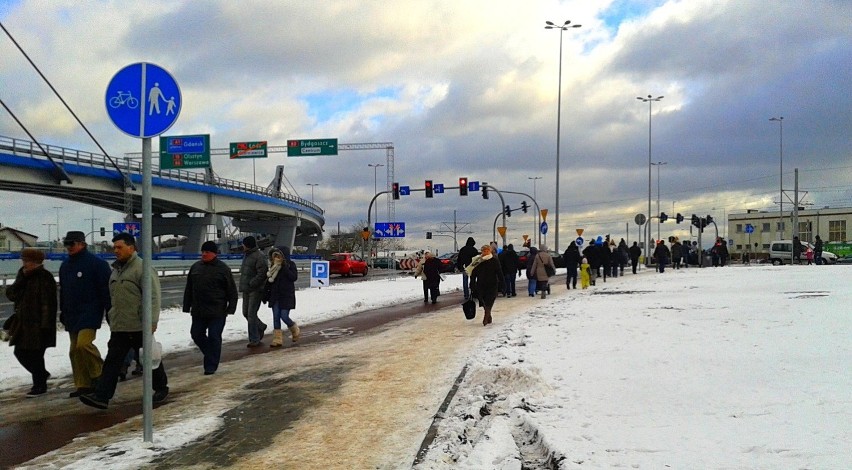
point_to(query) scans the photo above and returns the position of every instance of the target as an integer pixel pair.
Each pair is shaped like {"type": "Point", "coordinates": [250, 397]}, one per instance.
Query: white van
{"type": "Point", "coordinates": [781, 252]}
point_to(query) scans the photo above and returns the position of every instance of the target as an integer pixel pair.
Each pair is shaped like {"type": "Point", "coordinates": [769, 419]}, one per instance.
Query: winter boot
{"type": "Point", "coordinates": [294, 330]}
{"type": "Point", "coordinates": [277, 338]}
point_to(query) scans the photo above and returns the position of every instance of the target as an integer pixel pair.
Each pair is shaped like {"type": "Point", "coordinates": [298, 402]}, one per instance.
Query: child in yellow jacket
{"type": "Point", "coordinates": [585, 272]}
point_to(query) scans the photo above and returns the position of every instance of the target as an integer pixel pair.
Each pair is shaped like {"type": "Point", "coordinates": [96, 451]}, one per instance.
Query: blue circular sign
{"type": "Point", "coordinates": [579, 241]}
{"type": "Point", "coordinates": [749, 228]}
{"type": "Point", "coordinates": [143, 100]}
{"type": "Point", "coordinates": [543, 228]}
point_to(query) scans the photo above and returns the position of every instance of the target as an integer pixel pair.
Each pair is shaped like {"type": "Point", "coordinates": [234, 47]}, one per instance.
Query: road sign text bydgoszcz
{"type": "Point", "coordinates": [311, 147]}
{"type": "Point", "coordinates": [185, 151]}
{"type": "Point", "coordinates": [248, 150]}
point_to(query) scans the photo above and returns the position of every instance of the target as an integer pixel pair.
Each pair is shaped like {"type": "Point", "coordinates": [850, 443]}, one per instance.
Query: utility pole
{"type": "Point", "coordinates": [93, 219]}
{"type": "Point", "coordinates": [454, 230]}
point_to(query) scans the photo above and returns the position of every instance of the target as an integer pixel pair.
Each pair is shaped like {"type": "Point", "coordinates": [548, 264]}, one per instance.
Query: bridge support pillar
{"type": "Point", "coordinates": [194, 228]}
{"type": "Point", "coordinates": [282, 232]}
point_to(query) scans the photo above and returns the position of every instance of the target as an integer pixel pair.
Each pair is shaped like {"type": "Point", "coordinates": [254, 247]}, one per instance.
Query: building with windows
{"type": "Point", "coordinates": [831, 224]}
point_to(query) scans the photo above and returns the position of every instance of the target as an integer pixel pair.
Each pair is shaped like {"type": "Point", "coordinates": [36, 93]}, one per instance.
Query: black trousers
{"type": "Point", "coordinates": [120, 343]}
{"type": "Point", "coordinates": [33, 362]}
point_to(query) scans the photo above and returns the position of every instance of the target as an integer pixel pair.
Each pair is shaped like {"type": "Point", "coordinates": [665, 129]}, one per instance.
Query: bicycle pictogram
{"type": "Point", "coordinates": [124, 98]}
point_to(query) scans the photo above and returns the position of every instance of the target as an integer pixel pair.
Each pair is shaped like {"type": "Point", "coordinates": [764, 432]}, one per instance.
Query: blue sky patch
{"type": "Point", "coordinates": [624, 10]}
{"type": "Point", "coordinates": [324, 105]}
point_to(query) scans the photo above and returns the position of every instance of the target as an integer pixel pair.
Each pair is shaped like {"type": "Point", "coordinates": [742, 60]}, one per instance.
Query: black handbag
{"type": "Point", "coordinates": [267, 292]}
{"type": "Point", "coordinates": [469, 309]}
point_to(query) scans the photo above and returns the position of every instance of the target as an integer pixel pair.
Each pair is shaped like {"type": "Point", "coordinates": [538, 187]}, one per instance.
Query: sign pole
{"type": "Point", "coordinates": [147, 335]}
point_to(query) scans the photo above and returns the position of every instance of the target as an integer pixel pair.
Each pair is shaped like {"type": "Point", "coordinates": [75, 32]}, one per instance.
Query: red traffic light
{"type": "Point", "coordinates": [463, 186]}
{"type": "Point", "coordinates": [429, 189]}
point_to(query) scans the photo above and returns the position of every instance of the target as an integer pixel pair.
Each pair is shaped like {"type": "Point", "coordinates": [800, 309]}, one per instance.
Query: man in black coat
{"type": "Point", "coordinates": [572, 262]}
{"type": "Point", "coordinates": [466, 254]}
{"type": "Point", "coordinates": [509, 264]}
{"type": "Point", "coordinates": [210, 296]}
{"type": "Point", "coordinates": [635, 253]}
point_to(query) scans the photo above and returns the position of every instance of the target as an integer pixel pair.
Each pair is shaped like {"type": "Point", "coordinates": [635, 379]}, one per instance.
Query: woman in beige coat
{"type": "Point", "coordinates": [539, 271]}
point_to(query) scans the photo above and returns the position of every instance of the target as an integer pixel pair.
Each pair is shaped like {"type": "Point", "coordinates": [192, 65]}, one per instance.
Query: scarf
{"type": "Point", "coordinates": [273, 271]}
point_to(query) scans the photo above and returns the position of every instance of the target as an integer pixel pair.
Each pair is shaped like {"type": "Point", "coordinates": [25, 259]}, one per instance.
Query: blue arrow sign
{"type": "Point", "coordinates": [132, 228]}
{"type": "Point", "coordinates": [438, 188]}
{"type": "Point", "coordinates": [143, 100]}
{"type": "Point", "coordinates": [749, 228]}
{"type": "Point", "coordinates": [579, 241]}
{"type": "Point", "coordinates": [473, 185]}
{"type": "Point", "coordinates": [389, 230]}
{"type": "Point", "coordinates": [543, 228]}
{"type": "Point", "coordinates": [404, 190]}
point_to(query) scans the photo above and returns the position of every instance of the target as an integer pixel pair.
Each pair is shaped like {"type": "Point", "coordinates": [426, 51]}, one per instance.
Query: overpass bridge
{"type": "Point", "coordinates": [183, 202]}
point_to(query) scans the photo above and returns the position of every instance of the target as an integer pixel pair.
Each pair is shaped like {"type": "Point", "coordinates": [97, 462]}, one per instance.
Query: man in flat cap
{"type": "Point", "coordinates": [83, 301]}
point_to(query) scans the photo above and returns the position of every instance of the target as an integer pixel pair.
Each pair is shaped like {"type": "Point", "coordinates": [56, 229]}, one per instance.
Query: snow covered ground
{"type": "Point", "coordinates": [740, 367]}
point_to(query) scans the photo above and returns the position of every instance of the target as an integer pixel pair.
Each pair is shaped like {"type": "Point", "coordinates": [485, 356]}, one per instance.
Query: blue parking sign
{"type": "Point", "coordinates": [319, 273]}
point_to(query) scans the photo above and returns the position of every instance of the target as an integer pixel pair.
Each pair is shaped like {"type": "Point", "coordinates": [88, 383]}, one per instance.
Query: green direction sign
{"type": "Point", "coordinates": [185, 151]}
{"type": "Point", "coordinates": [311, 147]}
{"type": "Point", "coordinates": [248, 150]}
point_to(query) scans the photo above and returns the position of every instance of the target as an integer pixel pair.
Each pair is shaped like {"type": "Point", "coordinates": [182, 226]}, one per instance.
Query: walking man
{"type": "Point", "coordinates": [466, 254]}
{"type": "Point", "coordinates": [83, 301]}
{"type": "Point", "coordinates": [125, 322]}
{"type": "Point", "coordinates": [210, 296]}
{"type": "Point", "coordinates": [252, 281]}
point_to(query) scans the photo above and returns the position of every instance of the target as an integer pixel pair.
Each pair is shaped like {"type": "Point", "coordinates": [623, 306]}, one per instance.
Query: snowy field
{"type": "Point", "coordinates": [740, 367]}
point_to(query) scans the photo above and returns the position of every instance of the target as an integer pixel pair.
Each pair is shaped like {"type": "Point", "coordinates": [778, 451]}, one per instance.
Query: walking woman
{"type": "Point", "coordinates": [486, 280]}
{"type": "Point", "coordinates": [282, 277]}
{"type": "Point", "coordinates": [32, 328]}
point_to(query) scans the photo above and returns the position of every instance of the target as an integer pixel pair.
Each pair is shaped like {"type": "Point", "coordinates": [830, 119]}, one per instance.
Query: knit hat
{"type": "Point", "coordinates": [210, 246]}
{"type": "Point", "coordinates": [74, 236]}
{"type": "Point", "coordinates": [32, 254]}
{"type": "Point", "coordinates": [250, 242]}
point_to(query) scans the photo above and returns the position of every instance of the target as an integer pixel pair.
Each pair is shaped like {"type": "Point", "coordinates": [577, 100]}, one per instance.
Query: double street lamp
{"type": "Point", "coordinates": [650, 100]}
{"type": "Point", "coordinates": [375, 167]}
{"type": "Point", "coordinates": [312, 185]}
{"type": "Point", "coordinates": [562, 28]}
{"type": "Point", "coordinates": [780, 121]}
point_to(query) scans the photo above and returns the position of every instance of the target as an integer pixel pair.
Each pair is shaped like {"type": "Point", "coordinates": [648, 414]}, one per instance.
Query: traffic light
{"type": "Point", "coordinates": [103, 231]}
{"type": "Point", "coordinates": [524, 206]}
{"type": "Point", "coordinates": [709, 220]}
{"type": "Point", "coordinates": [679, 217]}
{"type": "Point", "coordinates": [695, 221]}
{"type": "Point", "coordinates": [663, 217]}
{"type": "Point", "coordinates": [462, 186]}
{"type": "Point", "coordinates": [395, 190]}
{"type": "Point", "coordinates": [429, 190]}
{"type": "Point", "coordinates": [508, 211]}
{"type": "Point", "coordinates": [484, 190]}
{"type": "Point", "coordinates": [428, 235]}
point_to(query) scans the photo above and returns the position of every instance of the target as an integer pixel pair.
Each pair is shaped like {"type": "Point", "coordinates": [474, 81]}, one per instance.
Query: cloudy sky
{"type": "Point", "coordinates": [465, 88]}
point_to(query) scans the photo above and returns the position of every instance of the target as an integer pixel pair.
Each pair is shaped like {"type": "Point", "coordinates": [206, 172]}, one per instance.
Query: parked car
{"type": "Point", "coordinates": [557, 258]}
{"type": "Point", "coordinates": [781, 252]}
{"type": "Point", "coordinates": [346, 264]}
{"type": "Point", "coordinates": [448, 262]}
{"type": "Point", "coordinates": [385, 262]}
{"type": "Point", "coordinates": [845, 259]}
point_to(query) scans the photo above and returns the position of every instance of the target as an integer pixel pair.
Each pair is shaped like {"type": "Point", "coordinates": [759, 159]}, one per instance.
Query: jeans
{"type": "Point", "coordinates": [206, 332]}
{"type": "Point", "coordinates": [531, 286]}
{"type": "Point", "coordinates": [571, 280]}
{"type": "Point", "coordinates": [120, 342]}
{"type": "Point", "coordinates": [510, 284]}
{"type": "Point", "coordinates": [465, 284]}
{"type": "Point", "coordinates": [86, 362]}
{"type": "Point", "coordinates": [251, 304]}
{"type": "Point", "coordinates": [280, 314]}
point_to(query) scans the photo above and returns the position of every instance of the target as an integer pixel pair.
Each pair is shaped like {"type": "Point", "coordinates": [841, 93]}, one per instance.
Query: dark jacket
{"type": "Point", "coordinates": [530, 260]}
{"type": "Point", "coordinates": [662, 253]}
{"type": "Point", "coordinates": [509, 262]}
{"type": "Point", "coordinates": [284, 285]}
{"type": "Point", "coordinates": [466, 254]}
{"type": "Point", "coordinates": [677, 250]}
{"type": "Point", "coordinates": [635, 252]}
{"type": "Point", "coordinates": [592, 255]}
{"type": "Point", "coordinates": [485, 280]}
{"type": "Point", "coordinates": [34, 296]}
{"type": "Point", "coordinates": [253, 271]}
{"type": "Point", "coordinates": [432, 272]}
{"type": "Point", "coordinates": [572, 256]}
{"type": "Point", "coordinates": [210, 290]}
{"type": "Point", "coordinates": [83, 291]}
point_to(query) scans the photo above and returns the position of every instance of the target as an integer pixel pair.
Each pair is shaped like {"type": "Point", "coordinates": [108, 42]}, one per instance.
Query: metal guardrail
{"type": "Point", "coordinates": [20, 147]}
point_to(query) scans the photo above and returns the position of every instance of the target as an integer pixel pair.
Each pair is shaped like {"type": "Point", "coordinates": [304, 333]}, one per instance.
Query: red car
{"type": "Point", "coordinates": [347, 264]}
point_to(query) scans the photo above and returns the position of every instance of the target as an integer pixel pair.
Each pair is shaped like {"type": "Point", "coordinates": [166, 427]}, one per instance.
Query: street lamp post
{"type": "Point", "coordinates": [49, 237]}
{"type": "Point", "coordinates": [780, 121]}
{"type": "Point", "coordinates": [57, 220]}
{"type": "Point", "coordinates": [650, 100]}
{"type": "Point", "coordinates": [312, 185]}
{"type": "Point", "coordinates": [375, 167]}
{"type": "Point", "coordinates": [536, 229]}
{"type": "Point", "coordinates": [658, 165]}
{"type": "Point", "coordinates": [562, 28]}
